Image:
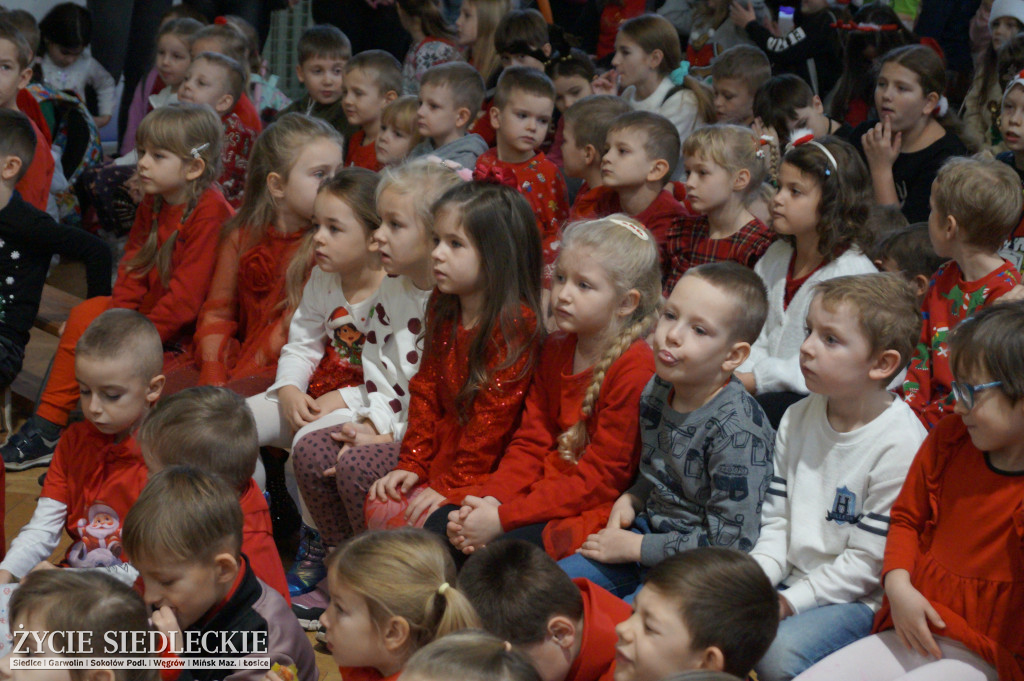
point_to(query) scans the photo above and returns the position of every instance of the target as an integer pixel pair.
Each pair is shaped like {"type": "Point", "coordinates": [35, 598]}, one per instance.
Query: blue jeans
{"type": "Point", "coordinates": [622, 579]}
{"type": "Point", "coordinates": [808, 637]}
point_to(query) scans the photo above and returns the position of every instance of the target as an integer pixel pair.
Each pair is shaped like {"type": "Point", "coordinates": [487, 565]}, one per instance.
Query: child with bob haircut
{"type": "Point", "coordinates": [565, 627]}
{"type": "Point", "coordinates": [213, 430]}
{"type": "Point", "coordinates": [185, 535]}
{"type": "Point", "coordinates": [97, 470]}
{"type": "Point", "coordinates": [323, 53]}
{"type": "Point", "coordinates": [399, 131]}
{"type": "Point", "coordinates": [707, 445]}
{"type": "Point", "coordinates": [392, 593]}
{"type": "Point", "coordinates": [736, 75]}
{"type": "Point", "coordinates": [975, 204]}
{"type": "Point", "coordinates": [726, 165]}
{"type": "Point", "coordinates": [373, 79]}
{"type": "Point", "coordinates": [714, 609]}
{"type": "Point", "coordinates": [819, 211]}
{"type": "Point", "coordinates": [584, 136]}
{"type": "Point", "coordinates": [575, 450]}
{"type": "Point", "coordinates": [480, 347]}
{"type": "Point", "coordinates": [167, 265]}
{"type": "Point", "coordinates": [641, 155]}
{"type": "Point", "coordinates": [57, 602]}
{"type": "Point", "coordinates": [470, 656]}
{"type": "Point", "coordinates": [841, 456]}
{"type": "Point", "coordinates": [450, 96]}
{"type": "Point", "coordinates": [958, 507]}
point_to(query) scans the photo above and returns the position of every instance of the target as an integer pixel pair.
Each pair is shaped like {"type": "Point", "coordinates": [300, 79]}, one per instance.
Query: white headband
{"type": "Point", "coordinates": [805, 136]}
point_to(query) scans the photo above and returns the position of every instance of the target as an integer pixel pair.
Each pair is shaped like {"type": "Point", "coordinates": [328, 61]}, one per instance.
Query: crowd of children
{"type": "Point", "coordinates": [698, 358]}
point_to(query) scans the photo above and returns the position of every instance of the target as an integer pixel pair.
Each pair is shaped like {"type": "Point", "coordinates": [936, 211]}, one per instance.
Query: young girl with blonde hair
{"type": "Point", "coordinates": [392, 593]}
{"type": "Point", "coordinates": [725, 168]}
{"type": "Point", "coordinates": [243, 323]}
{"type": "Point", "coordinates": [167, 266]}
{"type": "Point", "coordinates": [475, 28]}
{"type": "Point", "coordinates": [575, 451]}
{"type": "Point", "coordinates": [399, 133]}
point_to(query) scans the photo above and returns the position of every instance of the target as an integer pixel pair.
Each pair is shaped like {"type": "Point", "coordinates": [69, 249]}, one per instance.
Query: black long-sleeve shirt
{"type": "Point", "coordinates": [28, 240]}
{"type": "Point", "coordinates": [814, 42]}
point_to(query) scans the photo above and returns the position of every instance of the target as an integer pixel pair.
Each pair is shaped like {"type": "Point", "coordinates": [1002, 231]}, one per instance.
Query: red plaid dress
{"type": "Point", "coordinates": [690, 244]}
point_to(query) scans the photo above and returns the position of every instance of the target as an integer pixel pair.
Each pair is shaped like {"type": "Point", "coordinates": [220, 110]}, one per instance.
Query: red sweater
{"type": "Point", "coordinates": [174, 308]}
{"type": "Point", "coordinates": [540, 183]}
{"type": "Point", "coordinates": [949, 301]}
{"type": "Point", "coordinates": [258, 540]}
{"type": "Point", "coordinates": [34, 186]}
{"type": "Point", "coordinates": [602, 612]}
{"type": "Point", "coordinates": [361, 155]}
{"type": "Point", "coordinates": [98, 480]}
{"type": "Point", "coordinates": [452, 456]}
{"type": "Point", "coordinates": [956, 527]}
{"type": "Point", "coordinates": [246, 110]}
{"type": "Point", "coordinates": [658, 217]}
{"type": "Point", "coordinates": [535, 484]}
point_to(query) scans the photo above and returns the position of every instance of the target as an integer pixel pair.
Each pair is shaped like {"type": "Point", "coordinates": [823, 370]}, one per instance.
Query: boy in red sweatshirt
{"type": "Point", "coordinates": [212, 429]}
{"type": "Point", "coordinates": [565, 627]}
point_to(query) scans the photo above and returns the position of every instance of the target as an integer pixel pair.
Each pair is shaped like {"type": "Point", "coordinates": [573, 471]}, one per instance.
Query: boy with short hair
{"type": "Point", "coordinates": [706, 458]}
{"type": "Point", "coordinates": [974, 205]}
{"type": "Point", "coordinates": [372, 80]}
{"type": "Point", "coordinates": [583, 138]}
{"type": "Point", "coordinates": [212, 429]}
{"type": "Point", "coordinates": [524, 102]}
{"type": "Point", "coordinates": [786, 103]}
{"type": "Point", "coordinates": [710, 609]}
{"type": "Point", "coordinates": [909, 253]}
{"type": "Point", "coordinates": [15, 74]}
{"type": "Point", "coordinates": [565, 627]}
{"type": "Point", "coordinates": [184, 535]}
{"type": "Point", "coordinates": [642, 152]}
{"type": "Point", "coordinates": [736, 75]}
{"type": "Point", "coordinates": [323, 53]}
{"type": "Point", "coordinates": [841, 455]}
{"type": "Point", "coordinates": [218, 81]}
{"type": "Point", "coordinates": [97, 471]}
{"type": "Point", "coordinates": [450, 96]}
{"type": "Point", "coordinates": [229, 41]}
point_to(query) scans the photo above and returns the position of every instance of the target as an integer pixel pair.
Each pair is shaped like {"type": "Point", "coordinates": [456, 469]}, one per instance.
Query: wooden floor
{"type": "Point", "coordinates": [22, 488]}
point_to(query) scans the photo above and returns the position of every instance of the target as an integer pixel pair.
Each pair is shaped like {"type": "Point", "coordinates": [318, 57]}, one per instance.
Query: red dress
{"type": "Point", "coordinates": [448, 455]}
{"type": "Point", "coordinates": [535, 484]}
{"type": "Point", "coordinates": [958, 528]}
{"type": "Point", "coordinates": [244, 322]}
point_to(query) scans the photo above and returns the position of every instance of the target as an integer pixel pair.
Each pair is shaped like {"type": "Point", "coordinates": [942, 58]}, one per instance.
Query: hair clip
{"type": "Point", "coordinates": [678, 75]}
{"type": "Point", "coordinates": [464, 173]}
{"type": "Point", "coordinates": [221, 21]}
{"type": "Point", "coordinates": [634, 227]}
{"type": "Point", "coordinates": [197, 149]}
{"type": "Point", "coordinates": [805, 136]}
{"type": "Point", "coordinates": [865, 27]}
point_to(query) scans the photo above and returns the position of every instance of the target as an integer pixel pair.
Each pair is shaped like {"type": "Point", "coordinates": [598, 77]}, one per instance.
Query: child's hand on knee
{"type": "Point", "coordinates": [481, 525]}
{"type": "Point", "coordinates": [911, 614]}
{"type": "Point", "coordinates": [613, 545]}
{"type": "Point", "coordinates": [425, 503]}
{"type": "Point", "coordinates": [623, 512]}
{"type": "Point", "coordinates": [297, 407]}
{"type": "Point", "coordinates": [393, 485]}
{"type": "Point", "coordinates": [353, 434]}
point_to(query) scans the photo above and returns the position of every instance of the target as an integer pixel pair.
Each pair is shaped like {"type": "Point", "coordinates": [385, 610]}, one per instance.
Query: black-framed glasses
{"type": "Point", "coordinates": [964, 392]}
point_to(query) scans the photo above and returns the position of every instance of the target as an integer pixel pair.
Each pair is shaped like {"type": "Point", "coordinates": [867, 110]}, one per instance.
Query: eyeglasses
{"type": "Point", "coordinates": [964, 392]}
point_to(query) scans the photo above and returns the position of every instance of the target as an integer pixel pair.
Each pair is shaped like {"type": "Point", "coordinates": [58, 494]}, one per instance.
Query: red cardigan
{"type": "Point", "coordinates": [447, 455]}
{"type": "Point", "coordinates": [175, 307]}
{"type": "Point", "coordinates": [535, 484]}
{"type": "Point", "coordinates": [258, 540]}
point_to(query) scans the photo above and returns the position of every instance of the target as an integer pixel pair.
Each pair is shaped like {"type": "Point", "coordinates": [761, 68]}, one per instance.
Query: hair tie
{"type": "Point", "coordinates": [762, 142]}
{"type": "Point", "coordinates": [943, 106]}
{"type": "Point", "coordinates": [634, 227]}
{"type": "Point", "coordinates": [221, 21]}
{"type": "Point", "coordinates": [441, 589]}
{"type": "Point", "coordinates": [496, 175]}
{"type": "Point", "coordinates": [464, 173]}
{"type": "Point", "coordinates": [866, 27]}
{"type": "Point", "coordinates": [198, 148]}
{"type": "Point", "coordinates": [805, 136]}
{"type": "Point", "coordinates": [1017, 80]}
{"type": "Point", "coordinates": [680, 73]}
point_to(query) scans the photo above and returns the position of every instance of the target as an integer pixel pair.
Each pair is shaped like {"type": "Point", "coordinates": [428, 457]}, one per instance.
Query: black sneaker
{"type": "Point", "coordinates": [309, 606]}
{"type": "Point", "coordinates": [28, 449]}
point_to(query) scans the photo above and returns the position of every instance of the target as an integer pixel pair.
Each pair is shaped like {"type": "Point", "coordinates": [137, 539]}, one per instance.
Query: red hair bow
{"type": "Point", "coordinates": [864, 28]}
{"type": "Point", "coordinates": [221, 21]}
{"type": "Point", "coordinates": [496, 175]}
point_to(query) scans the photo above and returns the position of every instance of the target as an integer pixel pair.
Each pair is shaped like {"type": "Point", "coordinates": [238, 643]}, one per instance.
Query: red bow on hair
{"type": "Point", "coordinates": [496, 175]}
{"type": "Point", "coordinates": [221, 21]}
{"type": "Point", "coordinates": [864, 28]}
{"type": "Point", "coordinates": [803, 139]}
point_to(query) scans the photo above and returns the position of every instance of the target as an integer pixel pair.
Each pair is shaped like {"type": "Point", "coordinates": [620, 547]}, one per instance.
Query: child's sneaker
{"type": "Point", "coordinates": [308, 570]}
{"type": "Point", "coordinates": [309, 606]}
{"type": "Point", "coordinates": [28, 448]}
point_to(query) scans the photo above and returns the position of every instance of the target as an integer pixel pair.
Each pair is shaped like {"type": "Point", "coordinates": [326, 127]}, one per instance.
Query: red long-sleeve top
{"type": "Point", "coordinates": [958, 528]}
{"type": "Point", "coordinates": [448, 455]}
{"type": "Point", "coordinates": [258, 540]}
{"type": "Point", "coordinates": [173, 308]}
{"type": "Point", "coordinates": [535, 484]}
{"type": "Point", "coordinates": [244, 322]}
